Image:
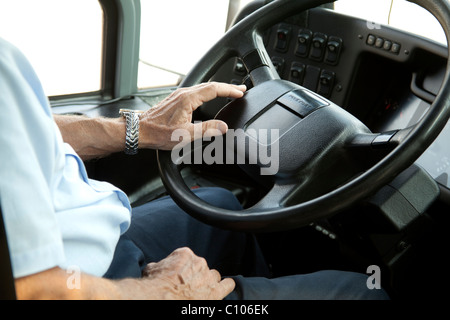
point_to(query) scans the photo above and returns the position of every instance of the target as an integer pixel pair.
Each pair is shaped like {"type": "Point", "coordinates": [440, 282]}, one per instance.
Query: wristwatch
{"type": "Point", "coordinates": [132, 118]}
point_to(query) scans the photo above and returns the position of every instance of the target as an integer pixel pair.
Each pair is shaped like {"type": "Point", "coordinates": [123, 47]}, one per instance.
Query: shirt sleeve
{"type": "Point", "coordinates": [29, 158]}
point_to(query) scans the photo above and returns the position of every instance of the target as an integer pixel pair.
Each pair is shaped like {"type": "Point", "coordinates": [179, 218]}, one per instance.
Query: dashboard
{"type": "Point", "coordinates": [385, 77]}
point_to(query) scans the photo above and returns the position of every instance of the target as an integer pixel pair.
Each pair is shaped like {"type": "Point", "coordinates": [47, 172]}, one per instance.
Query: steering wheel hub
{"type": "Point", "coordinates": [288, 133]}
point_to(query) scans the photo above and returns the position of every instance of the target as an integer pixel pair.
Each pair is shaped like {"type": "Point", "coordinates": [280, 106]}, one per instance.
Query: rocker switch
{"type": "Point", "coordinates": [282, 40]}
{"type": "Point", "coordinates": [334, 46]}
{"type": "Point", "coordinates": [319, 42]}
{"type": "Point", "coordinates": [303, 43]}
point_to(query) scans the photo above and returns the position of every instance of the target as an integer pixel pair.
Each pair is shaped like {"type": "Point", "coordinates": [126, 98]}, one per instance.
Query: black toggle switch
{"type": "Point", "coordinates": [318, 45]}
{"type": "Point", "coordinates": [326, 83]}
{"type": "Point", "coordinates": [297, 72]}
{"type": "Point", "coordinates": [282, 40]}
{"type": "Point", "coordinates": [303, 42]}
{"type": "Point", "coordinates": [333, 51]}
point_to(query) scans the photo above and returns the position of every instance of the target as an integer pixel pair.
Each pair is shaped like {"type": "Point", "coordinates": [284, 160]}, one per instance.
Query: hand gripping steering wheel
{"type": "Point", "coordinates": [325, 154]}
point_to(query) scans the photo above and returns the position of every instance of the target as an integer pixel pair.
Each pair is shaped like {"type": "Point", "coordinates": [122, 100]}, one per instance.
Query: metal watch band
{"type": "Point", "coordinates": [132, 130]}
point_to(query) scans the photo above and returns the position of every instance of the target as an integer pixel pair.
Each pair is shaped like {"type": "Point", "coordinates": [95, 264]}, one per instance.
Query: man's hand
{"type": "Point", "coordinates": [98, 137]}
{"type": "Point", "coordinates": [175, 112]}
{"type": "Point", "coordinates": [183, 275]}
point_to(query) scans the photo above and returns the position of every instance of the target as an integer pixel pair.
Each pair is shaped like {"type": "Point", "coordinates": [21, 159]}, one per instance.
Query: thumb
{"type": "Point", "coordinates": [211, 128]}
{"type": "Point", "coordinates": [148, 269]}
{"type": "Point", "coordinates": [225, 287]}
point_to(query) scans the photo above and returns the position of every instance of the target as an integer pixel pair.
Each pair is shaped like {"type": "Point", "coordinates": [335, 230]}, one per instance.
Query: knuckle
{"type": "Point", "coordinates": [211, 89]}
{"type": "Point", "coordinates": [181, 93]}
{"type": "Point", "coordinates": [215, 274]}
{"type": "Point", "coordinates": [184, 251]}
{"type": "Point", "coordinates": [201, 261]}
{"type": "Point", "coordinates": [213, 85]}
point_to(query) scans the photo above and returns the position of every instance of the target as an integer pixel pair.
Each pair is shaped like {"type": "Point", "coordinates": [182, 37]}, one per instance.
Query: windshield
{"type": "Point", "coordinates": [175, 34]}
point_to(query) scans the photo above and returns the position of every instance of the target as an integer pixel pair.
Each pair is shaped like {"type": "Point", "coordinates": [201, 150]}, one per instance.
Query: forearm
{"type": "Point", "coordinates": [57, 284]}
{"type": "Point", "coordinates": [92, 137]}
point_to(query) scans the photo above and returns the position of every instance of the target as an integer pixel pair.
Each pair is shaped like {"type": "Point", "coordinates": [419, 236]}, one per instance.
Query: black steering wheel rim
{"type": "Point", "coordinates": [242, 40]}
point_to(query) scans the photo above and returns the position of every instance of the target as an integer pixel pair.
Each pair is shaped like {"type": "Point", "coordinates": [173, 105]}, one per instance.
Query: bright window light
{"type": "Point", "coordinates": [62, 40]}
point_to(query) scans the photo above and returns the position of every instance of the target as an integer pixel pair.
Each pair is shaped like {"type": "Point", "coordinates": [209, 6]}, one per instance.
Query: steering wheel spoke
{"type": "Point", "coordinates": [258, 63]}
{"type": "Point", "coordinates": [372, 147]}
{"type": "Point", "coordinates": [275, 198]}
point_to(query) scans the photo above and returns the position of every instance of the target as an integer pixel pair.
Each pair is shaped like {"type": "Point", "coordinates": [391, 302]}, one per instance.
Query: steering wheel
{"type": "Point", "coordinates": [328, 160]}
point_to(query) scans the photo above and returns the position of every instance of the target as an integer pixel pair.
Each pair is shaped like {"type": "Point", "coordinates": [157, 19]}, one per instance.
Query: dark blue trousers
{"type": "Point", "coordinates": [159, 227]}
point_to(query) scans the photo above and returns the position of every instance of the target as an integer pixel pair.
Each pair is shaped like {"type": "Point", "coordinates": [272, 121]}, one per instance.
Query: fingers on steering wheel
{"type": "Point", "coordinates": [211, 90]}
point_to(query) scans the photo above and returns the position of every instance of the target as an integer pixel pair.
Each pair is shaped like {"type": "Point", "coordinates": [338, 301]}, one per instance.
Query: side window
{"type": "Point", "coordinates": [62, 40]}
{"type": "Point", "coordinates": [175, 34]}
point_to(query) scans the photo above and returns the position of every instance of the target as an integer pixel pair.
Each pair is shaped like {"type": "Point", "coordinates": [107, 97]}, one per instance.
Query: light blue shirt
{"type": "Point", "coordinates": [54, 214]}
